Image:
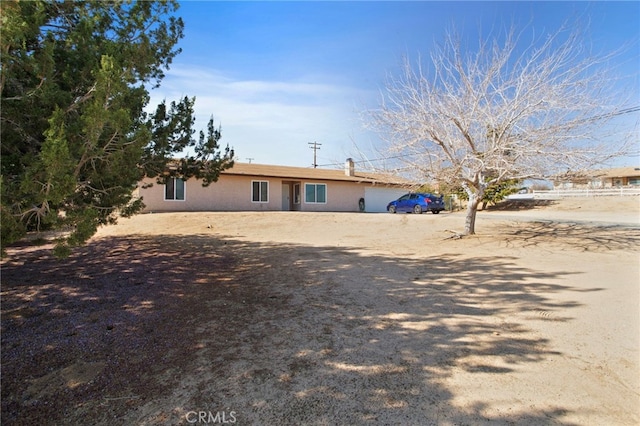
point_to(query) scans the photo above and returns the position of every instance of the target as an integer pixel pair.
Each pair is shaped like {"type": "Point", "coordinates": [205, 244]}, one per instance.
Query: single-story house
{"type": "Point", "coordinates": [621, 176]}
{"type": "Point", "coordinates": [259, 187]}
{"type": "Point", "coordinates": [605, 178]}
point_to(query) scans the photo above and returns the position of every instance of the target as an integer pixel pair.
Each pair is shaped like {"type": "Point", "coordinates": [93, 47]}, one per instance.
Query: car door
{"type": "Point", "coordinates": [402, 203]}
{"type": "Point", "coordinates": [413, 200]}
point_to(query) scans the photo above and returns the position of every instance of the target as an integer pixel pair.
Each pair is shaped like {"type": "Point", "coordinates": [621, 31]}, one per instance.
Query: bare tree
{"type": "Point", "coordinates": [500, 112]}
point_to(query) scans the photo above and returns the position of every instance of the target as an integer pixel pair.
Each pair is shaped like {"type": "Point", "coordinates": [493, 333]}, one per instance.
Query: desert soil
{"type": "Point", "coordinates": [331, 318]}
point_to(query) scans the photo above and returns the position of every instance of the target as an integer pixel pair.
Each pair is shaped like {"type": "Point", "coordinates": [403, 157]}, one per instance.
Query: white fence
{"type": "Point", "coordinates": [564, 193]}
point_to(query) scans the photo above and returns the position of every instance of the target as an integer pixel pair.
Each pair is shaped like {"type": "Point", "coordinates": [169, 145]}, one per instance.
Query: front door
{"type": "Point", "coordinates": [286, 197]}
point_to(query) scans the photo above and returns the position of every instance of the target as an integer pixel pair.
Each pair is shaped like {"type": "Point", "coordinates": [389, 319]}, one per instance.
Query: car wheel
{"type": "Point", "coordinates": [435, 211]}
{"type": "Point", "coordinates": [417, 209]}
{"type": "Point", "coordinates": [392, 209]}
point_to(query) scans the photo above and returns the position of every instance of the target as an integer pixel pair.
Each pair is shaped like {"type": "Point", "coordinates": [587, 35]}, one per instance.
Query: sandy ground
{"type": "Point", "coordinates": [334, 318]}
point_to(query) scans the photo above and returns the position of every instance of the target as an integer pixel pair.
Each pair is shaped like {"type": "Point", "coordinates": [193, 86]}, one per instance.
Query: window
{"type": "Point", "coordinates": [174, 189]}
{"type": "Point", "coordinates": [315, 193]}
{"type": "Point", "coordinates": [260, 191]}
{"type": "Point", "coordinates": [296, 193]}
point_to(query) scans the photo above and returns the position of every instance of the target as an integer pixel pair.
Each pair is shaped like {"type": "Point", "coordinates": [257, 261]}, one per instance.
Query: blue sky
{"type": "Point", "coordinates": [278, 75]}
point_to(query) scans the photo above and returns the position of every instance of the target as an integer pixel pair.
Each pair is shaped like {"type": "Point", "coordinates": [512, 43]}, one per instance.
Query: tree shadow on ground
{"type": "Point", "coordinates": [145, 329]}
{"type": "Point", "coordinates": [520, 204]}
{"type": "Point", "coordinates": [578, 236]}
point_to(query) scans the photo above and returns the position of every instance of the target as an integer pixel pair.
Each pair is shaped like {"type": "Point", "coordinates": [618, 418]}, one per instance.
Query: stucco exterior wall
{"type": "Point", "coordinates": [341, 197]}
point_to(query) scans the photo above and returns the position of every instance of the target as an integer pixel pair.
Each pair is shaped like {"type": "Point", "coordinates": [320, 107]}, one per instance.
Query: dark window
{"type": "Point", "coordinates": [260, 191]}
{"type": "Point", "coordinates": [315, 193]}
{"type": "Point", "coordinates": [174, 189]}
{"type": "Point", "coordinates": [296, 193]}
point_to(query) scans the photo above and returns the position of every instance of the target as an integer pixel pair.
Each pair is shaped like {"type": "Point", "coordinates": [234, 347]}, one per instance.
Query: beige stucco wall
{"type": "Point", "coordinates": [341, 197]}
{"type": "Point", "coordinates": [233, 193]}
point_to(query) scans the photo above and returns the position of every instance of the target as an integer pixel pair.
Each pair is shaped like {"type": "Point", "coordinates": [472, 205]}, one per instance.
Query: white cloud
{"type": "Point", "coordinates": [270, 121]}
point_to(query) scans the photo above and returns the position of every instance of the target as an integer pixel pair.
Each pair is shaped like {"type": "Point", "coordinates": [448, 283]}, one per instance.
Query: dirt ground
{"type": "Point", "coordinates": [295, 318]}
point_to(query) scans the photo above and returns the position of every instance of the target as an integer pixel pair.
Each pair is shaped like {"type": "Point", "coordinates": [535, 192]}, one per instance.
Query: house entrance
{"type": "Point", "coordinates": [290, 196]}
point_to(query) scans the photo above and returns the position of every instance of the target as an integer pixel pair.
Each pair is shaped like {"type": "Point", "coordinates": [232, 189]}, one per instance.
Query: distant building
{"type": "Point", "coordinates": [604, 178]}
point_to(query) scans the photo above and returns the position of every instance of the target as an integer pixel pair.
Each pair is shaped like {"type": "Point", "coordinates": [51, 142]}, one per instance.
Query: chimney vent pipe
{"type": "Point", "coordinates": [349, 167]}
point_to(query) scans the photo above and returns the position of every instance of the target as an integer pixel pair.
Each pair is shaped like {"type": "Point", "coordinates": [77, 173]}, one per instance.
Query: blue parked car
{"type": "Point", "coordinates": [417, 203]}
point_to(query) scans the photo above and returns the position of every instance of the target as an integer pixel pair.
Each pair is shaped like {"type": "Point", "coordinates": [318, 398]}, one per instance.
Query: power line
{"type": "Point", "coordinates": [374, 160]}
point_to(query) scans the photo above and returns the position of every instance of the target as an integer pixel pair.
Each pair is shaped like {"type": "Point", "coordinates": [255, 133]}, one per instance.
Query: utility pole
{"type": "Point", "coordinates": [315, 146]}
{"type": "Point", "coordinates": [250, 158]}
